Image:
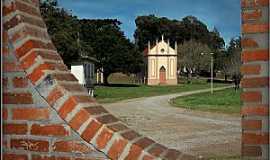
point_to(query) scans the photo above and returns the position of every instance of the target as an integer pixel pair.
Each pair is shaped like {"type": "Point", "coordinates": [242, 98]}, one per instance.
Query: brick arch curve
{"type": "Point", "coordinates": [37, 57]}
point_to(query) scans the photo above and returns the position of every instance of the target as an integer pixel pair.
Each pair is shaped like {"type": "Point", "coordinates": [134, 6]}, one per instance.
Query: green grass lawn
{"type": "Point", "coordinates": [117, 92]}
{"type": "Point", "coordinates": [225, 101]}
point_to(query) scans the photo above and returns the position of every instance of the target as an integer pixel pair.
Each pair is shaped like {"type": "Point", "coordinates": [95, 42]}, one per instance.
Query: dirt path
{"type": "Point", "coordinates": [199, 133]}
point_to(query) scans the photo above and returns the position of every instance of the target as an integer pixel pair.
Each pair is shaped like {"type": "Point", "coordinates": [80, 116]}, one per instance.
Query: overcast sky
{"type": "Point", "coordinates": [223, 14]}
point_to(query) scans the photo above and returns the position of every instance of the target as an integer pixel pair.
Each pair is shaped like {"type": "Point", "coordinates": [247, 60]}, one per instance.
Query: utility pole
{"type": "Point", "coordinates": [212, 70]}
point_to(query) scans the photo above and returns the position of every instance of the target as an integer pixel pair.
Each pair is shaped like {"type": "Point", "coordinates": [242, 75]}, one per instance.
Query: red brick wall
{"type": "Point", "coordinates": [255, 57]}
{"type": "Point", "coordinates": [47, 114]}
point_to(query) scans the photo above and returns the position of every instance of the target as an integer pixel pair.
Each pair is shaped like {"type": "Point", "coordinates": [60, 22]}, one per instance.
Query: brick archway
{"type": "Point", "coordinates": [38, 88]}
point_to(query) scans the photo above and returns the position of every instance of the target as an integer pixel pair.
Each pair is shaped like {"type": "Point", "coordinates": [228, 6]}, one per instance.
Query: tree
{"type": "Point", "coordinates": [234, 50]}
{"type": "Point", "coordinates": [107, 43]}
{"type": "Point", "coordinates": [189, 28]}
{"type": "Point", "coordinates": [101, 38]}
{"type": "Point", "coordinates": [216, 41]}
{"type": "Point", "coordinates": [190, 58]}
{"type": "Point", "coordinates": [229, 61]}
{"type": "Point", "coordinates": [63, 29]}
{"type": "Point", "coordinates": [223, 63]}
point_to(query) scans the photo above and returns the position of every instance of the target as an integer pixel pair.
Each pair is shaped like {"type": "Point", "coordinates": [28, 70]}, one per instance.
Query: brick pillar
{"type": "Point", "coordinates": [255, 68]}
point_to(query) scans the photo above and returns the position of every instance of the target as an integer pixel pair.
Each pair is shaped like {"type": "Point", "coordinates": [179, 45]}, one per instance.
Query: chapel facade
{"type": "Point", "coordinates": [161, 63]}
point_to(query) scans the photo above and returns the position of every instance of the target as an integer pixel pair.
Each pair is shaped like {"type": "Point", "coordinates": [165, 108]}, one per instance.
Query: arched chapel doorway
{"type": "Point", "coordinates": [162, 75]}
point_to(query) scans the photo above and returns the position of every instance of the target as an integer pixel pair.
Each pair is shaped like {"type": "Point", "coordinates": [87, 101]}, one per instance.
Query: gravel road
{"type": "Point", "coordinates": [194, 132]}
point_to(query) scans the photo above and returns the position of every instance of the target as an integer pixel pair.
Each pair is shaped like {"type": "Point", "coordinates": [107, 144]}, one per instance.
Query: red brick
{"type": "Point", "coordinates": [144, 142]}
{"type": "Point", "coordinates": [249, 43]}
{"type": "Point", "coordinates": [17, 98]}
{"type": "Point", "coordinates": [250, 69]}
{"type": "Point", "coordinates": [103, 138]}
{"type": "Point", "coordinates": [67, 107]}
{"type": "Point", "coordinates": [172, 154]}
{"type": "Point", "coordinates": [254, 3]}
{"type": "Point", "coordinates": [29, 60]}
{"type": "Point", "coordinates": [117, 148]}
{"type": "Point", "coordinates": [5, 82]}
{"type": "Point", "coordinates": [255, 82]}
{"type": "Point", "coordinates": [38, 157]}
{"type": "Point", "coordinates": [65, 77]}
{"type": "Point", "coordinates": [73, 87]}
{"type": "Point", "coordinates": [253, 15]}
{"type": "Point", "coordinates": [5, 50]}
{"type": "Point", "coordinates": [107, 119]}
{"type": "Point", "coordinates": [29, 31]}
{"type": "Point", "coordinates": [134, 152]}
{"type": "Point", "coordinates": [8, 9]}
{"type": "Point", "coordinates": [258, 55]}
{"type": "Point", "coordinates": [11, 67]}
{"type": "Point", "coordinates": [49, 130]}
{"type": "Point", "coordinates": [255, 110]}
{"type": "Point", "coordinates": [83, 158]}
{"type": "Point", "coordinates": [147, 157]}
{"type": "Point", "coordinates": [54, 95]}
{"type": "Point", "coordinates": [31, 44]}
{"type": "Point", "coordinates": [11, 128]}
{"type": "Point", "coordinates": [14, 156]}
{"type": "Point", "coordinates": [5, 143]}
{"type": "Point", "coordinates": [5, 114]}
{"type": "Point", "coordinates": [251, 124]}
{"type": "Point", "coordinates": [251, 151]}
{"type": "Point", "coordinates": [27, 9]}
{"type": "Point", "coordinates": [50, 55]}
{"type": "Point", "coordinates": [71, 146]}
{"type": "Point", "coordinates": [70, 104]}
{"type": "Point", "coordinates": [30, 113]}
{"type": "Point", "coordinates": [84, 99]}
{"type": "Point", "coordinates": [117, 127]}
{"type": "Point", "coordinates": [20, 82]}
{"type": "Point", "coordinates": [252, 96]}
{"type": "Point", "coordinates": [90, 130]}
{"type": "Point", "coordinates": [38, 72]}
{"type": "Point", "coordinates": [130, 135]}
{"type": "Point", "coordinates": [4, 35]}
{"type": "Point", "coordinates": [58, 66]}
{"type": "Point", "coordinates": [34, 3]}
{"type": "Point", "coordinates": [11, 23]}
{"type": "Point", "coordinates": [79, 119]}
{"type": "Point", "coordinates": [18, 35]}
{"type": "Point", "coordinates": [96, 110]}
{"type": "Point", "coordinates": [255, 28]}
{"type": "Point", "coordinates": [255, 138]}
{"type": "Point", "coordinates": [157, 149]}
{"type": "Point", "coordinates": [30, 144]}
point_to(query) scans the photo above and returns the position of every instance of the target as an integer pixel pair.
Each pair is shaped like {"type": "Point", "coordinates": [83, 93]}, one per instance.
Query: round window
{"type": "Point", "coordinates": [162, 50]}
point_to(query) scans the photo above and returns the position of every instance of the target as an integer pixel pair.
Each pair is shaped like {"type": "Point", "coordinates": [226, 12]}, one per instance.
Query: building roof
{"type": "Point", "coordinates": [145, 51]}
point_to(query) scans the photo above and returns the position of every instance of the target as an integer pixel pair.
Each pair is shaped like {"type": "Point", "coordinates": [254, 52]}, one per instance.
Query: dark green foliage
{"type": "Point", "coordinates": [63, 29]}
{"type": "Point", "coordinates": [100, 38]}
{"type": "Point", "coordinates": [229, 61]}
{"type": "Point", "coordinates": [111, 48]}
{"type": "Point", "coordinates": [190, 28]}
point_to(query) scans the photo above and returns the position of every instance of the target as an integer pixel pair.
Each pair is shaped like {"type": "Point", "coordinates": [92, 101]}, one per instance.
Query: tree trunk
{"type": "Point", "coordinates": [188, 77]}
{"type": "Point", "coordinates": [105, 78]}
